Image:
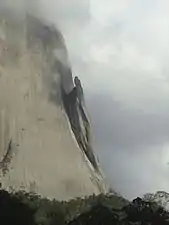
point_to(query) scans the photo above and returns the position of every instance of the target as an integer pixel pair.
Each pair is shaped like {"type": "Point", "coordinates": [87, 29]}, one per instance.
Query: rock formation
{"type": "Point", "coordinates": [44, 129]}
{"type": "Point", "coordinates": [75, 107]}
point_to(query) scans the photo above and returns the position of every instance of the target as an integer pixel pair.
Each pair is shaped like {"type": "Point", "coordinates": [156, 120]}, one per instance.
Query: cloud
{"type": "Point", "coordinates": [133, 146]}
{"type": "Point", "coordinates": [125, 128]}
{"type": "Point", "coordinates": [106, 11]}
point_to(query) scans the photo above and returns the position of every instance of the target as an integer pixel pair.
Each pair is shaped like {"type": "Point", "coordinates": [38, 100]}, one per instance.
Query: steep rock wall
{"type": "Point", "coordinates": [38, 149]}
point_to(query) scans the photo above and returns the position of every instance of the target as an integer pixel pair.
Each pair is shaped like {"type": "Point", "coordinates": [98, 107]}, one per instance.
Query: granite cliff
{"type": "Point", "coordinates": [45, 135]}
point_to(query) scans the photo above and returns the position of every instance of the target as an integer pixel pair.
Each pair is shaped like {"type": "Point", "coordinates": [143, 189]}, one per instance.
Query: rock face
{"type": "Point", "coordinates": [39, 149]}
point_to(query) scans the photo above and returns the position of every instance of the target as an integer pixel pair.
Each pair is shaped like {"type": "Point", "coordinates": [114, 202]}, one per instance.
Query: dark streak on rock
{"type": "Point", "coordinates": [4, 164]}
{"type": "Point", "coordinates": [74, 110]}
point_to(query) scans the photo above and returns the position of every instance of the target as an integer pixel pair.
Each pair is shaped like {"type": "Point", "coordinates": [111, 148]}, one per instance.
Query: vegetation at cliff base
{"type": "Point", "coordinates": [29, 209]}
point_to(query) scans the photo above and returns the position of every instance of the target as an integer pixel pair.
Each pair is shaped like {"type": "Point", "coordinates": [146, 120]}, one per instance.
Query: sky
{"type": "Point", "coordinates": [120, 51]}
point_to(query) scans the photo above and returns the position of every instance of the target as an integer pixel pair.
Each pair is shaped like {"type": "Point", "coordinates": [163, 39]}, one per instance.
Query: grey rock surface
{"type": "Point", "coordinates": [35, 129]}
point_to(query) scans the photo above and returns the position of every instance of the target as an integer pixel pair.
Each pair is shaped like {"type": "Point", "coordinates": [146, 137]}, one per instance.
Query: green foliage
{"type": "Point", "coordinates": [46, 212]}
{"type": "Point", "coordinates": [30, 209]}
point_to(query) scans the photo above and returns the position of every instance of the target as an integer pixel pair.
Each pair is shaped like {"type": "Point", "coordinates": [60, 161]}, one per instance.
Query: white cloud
{"type": "Point", "coordinates": [129, 64]}
{"type": "Point", "coordinates": [104, 11]}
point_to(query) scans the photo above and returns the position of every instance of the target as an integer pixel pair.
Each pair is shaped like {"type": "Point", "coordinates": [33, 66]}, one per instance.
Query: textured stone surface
{"type": "Point", "coordinates": [45, 156]}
